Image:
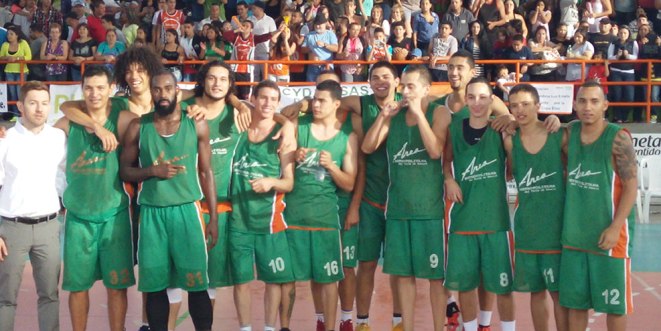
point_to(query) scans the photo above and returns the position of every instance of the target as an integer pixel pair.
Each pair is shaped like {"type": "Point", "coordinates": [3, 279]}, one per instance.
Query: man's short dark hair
{"type": "Point", "coordinates": [517, 37]}
{"type": "Point", "coordinates": [163, 72]}
{"type": "Point", "coordinates": [331, 86]}
{"type": "Point", "coordinates": [462, 53]}
{"type": "Point", "coordinates": [422, 71]}
{"type": "Point", "coordinates": [242, 3]}
{"type": "Point", "coordinates": [266, 84]}
{"type": "Point", "coordinates": [29, 86]}
{"type": "Point", "coordinates": [480, 80]}
{"type": "Point", "coordinates": [204, 71]}
{"type": "Point", "coordinates": [446, 22]}
{"type": "Point", "coordinates": [525, 88]}
{"type": "Point", "coordinates": [97, 70]}
{"type": "Point", "coordinates": [384, 64]}
{"type": "Point", "coordinates": [592, 83]}
{"type": "Point", "coordinates": [36, 27]}
{"type": "Point", "coordinates": [108, 18]}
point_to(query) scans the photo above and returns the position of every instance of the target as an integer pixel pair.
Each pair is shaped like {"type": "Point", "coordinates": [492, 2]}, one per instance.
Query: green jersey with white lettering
{"type": "Point", "coordinates": [593, 193]}
{"type": "Point", "coordinates": [313, 202]}
{"type": "Point", "coordinates": [177, 149]}
{"type": "Point", "coordinates": [541, 194]}
{"type": "Point", "coordinates": [415, 191]}
{"type": "Point", "coordinates": [480, 172]}
{"type": "Point", "coordinates": [94, 190]}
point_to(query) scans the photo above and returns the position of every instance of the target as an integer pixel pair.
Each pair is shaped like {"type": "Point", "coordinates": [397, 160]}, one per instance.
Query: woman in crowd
{"type": "Point", "coordinates": [622, 49]}
{"type": "Point", "coordinates": [540, 17]}
{"type": "Point", "coordinates": [581, 50]}
{"type": "Point", "coordinates": [55, 49]}
{"type": "Point", "coordinates": [15, 49]}
{"type": "Point", "coordinates": [397, 15]}
{"type": "Point", "coordinates": [109, 49]}
{"type": "Point", "coordinates": [510, 15]}
{"type": "Point", "coordinates": [541, 45]}
{"type": "Point", "coordinates": [82, 49]}
{"type": "Point", "coordinates": [476, 43]}
{"type": "Point", "coordinates": [425, 25]}
{"type": "Point", "coordinates": [377, 21]}
{"type": "Point", "coordinates": [213, 48]}
{"type": "Point", "coordinates": [352, 48]}
{"type": "Point", "coordinates": [172, 51]}
{"type": "Point", "coordinates": [282, 48]}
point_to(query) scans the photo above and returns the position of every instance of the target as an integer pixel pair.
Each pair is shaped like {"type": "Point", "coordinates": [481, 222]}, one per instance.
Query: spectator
{"type": "Point", "coordinates": [541, 16]}
{"type": "Point", "coordinates": [581, 50]}
{"type": "Point", "coordinates": [502, 43]}
{"type": "Point", "coordinates": [75, 17]}
{"type": "Point", "coordinates": [55, 50]}
{"type": "Point", "coordinates": [321, 44]}
{"type": "Point", "coordinates": [142, 34]}
{"type": "Point", "coordinates": [377, 21]}
{"type": "Point", "coordinates": [170, 18]}
{"type": "Point", "coordinates": [37, 38]}
{"type": "Point", "coordinates": [147, 12]}
{"type": "Point", "coordinates": [510, 16]}
{"type": "Point", "coordinates": [599, 71]}
{"type": "Point", "coordinates": [562, 39]}
{"type": "Point", "coordinates": [70, 24]}
{"type": "Point", "coordinates": [518, 51]}
{"type": "Point", "coordinates": [130, 26]}
{"type": "Point", "coordinates": [282, 48]}
{"type": "Point", "coordinates": [379, 50]}
{"type": "Point", "coordinates": [442, 46]}
{"type": "Point", "coordinates": [45, 15]}
{"type": "Point", "coordinates": [623, 49]}
{"type": "Point", "coordinates": [312, 8]}
{"type": "Point", "coordinates": [23, 11]}
{"type": "Point", "coordinates": [350, 10]}
{"type": "Point", "coordinates": [336, 9]}
{"type": "Point", "coordinates": [244, 50]}
{"type": "Point", "coordinates": [504, 77]}
{"type": "Point", "coordinates": [109, 49]}
{"type": "Point", "coordinates": [542, 48]}
{"type": "Point", "coordinates": [82, 49]}
{"type": "Point", "coordinates": [213, 16]}
{"type": "Point", "coordinates": [595, 11]}
{"type": "Point", "coordinates": [602, 40]}
{"type": "Point", "coordinates": [214, 47]}
{"type": "Point", "coordinates": [108, 22]}
{"type": "Point", "coordinates": [459, 17]}
{"type": "Point", "coordinates": [640, 21]}
{"type": "Point", "coordinates": [625, 12]}
{"type": "Point", "coordinates": [15, 49]}
{"type": "Point", "coordinates": [425, 25]}
{"type": "Point", "coordinates": [298, 32]}
{"type": "Point", "coordinates": [242, 14]}
{"type": "Point", "coordinates": [366, 7]}
{"type": "Point", "coordinates": [652, 50]}
{"type": "Point", "coordinates": [397, 15]}
{"type": "Point", "coordinates": [488, 13]}
{"type": "Point", "coordinates": [476, 43]}
{"type": "Point", "coordinates": [273, 8]}
{"type": "Point", "coordinates": [171, 51]}
{"type": "Point", "coordinates": [569, 15]}
{"type": "Point", "coordinates": [402, 46]}
{"type": "Point", "coordinates": [263, 24]}
{"type": "Point", "coordinates": [190, 42]}
{"type": "Point", "coordinates": [342, 30]}
{"type": "Point", "coordinates": [97, 31]}
{"type": "Point", "coordinates": [385, 6]}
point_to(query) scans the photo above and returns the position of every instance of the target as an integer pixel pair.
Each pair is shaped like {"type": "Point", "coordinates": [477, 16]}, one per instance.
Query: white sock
{"type": "Point", "coordinates": [470, 325]}
{"type": "Point", "coordinates": [269, 328]}
{"type": "Point", "coordinates": [246, 328]}
{"type": "Point", "coordinates": [346, 315]}
{"type": "Point", "coordinates": [484, 318]}
{"type": "Point", "coordinates": [451, 299]}
{"type": "Point", "coordinates": [362, 320]}
{"type": "Point", "coordinates": [396, 320]}
{"type": "Point", "coordinates": [508, 326]}
{"type": "Point", "coordinates": [320, 317]}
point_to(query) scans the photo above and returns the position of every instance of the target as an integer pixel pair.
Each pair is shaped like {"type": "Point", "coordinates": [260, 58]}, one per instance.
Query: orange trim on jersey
{"type": "Point", "coordinates": [538, 252]}
{"type": "Point", "coordinates": [448, 220]}
{"type": "Point", "coordinates": [305, 228]}
{"type": "Point", "coordinates": [621, 248]}
{"type": "Point", "coordinates": [374, 204]}
{"type": "Point", "coordinates": [278, 221]}
{"type": "Point", "coordinates": [130, 189]}
{"type": "Point", "coordinates": [627, 287]}
{"type": "Point", "coordinates": [221, 207]}
{"type": "Point", "coordinates": [510, 243]}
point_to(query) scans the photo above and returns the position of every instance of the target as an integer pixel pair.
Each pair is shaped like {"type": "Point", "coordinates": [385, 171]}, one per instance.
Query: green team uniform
{"type": "Point", "coordinates": [538, 215]}
{"type": "Point", "coordinates": [348, 238]}
{"type": "Point", "coordinates": [462, 114]}
{"type": "Point", "coordinates": [372, 225]}
{"type": "Point", "coordinates": [415, 240]}
{"type": "Point", "coordinates": [479, 240]}
{"type": "Point", "coordinates": [98, 240]}
{"type": "Point", "coordinates": [592, 277]}
{"type": "Point", "coordinates": [313, 218]}
{"type": "Point", "coordinates": [223, 138]}
{"type": "Point", "coordinates": [172, 246]}
{"type": "Point", "coordinates": [257, 224]}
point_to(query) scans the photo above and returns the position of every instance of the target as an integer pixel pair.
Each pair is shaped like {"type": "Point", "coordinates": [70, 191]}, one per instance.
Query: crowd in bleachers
{"type": "Point", "coordinates": [81, 30]}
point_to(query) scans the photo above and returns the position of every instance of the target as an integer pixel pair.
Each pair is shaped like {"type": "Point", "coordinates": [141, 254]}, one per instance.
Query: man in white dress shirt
{"type": "Point", "coordinates": [32, 160]}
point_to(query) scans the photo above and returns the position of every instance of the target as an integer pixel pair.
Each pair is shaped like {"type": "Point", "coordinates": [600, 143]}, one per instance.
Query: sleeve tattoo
{"type": "Point", "coordinates": [625, 156]}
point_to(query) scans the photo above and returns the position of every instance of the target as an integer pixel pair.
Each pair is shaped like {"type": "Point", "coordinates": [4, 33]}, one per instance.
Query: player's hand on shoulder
{"type": "Point", "coordinates": [552, 124]}
{"type": "Point", "coordinates": [504, 123]}
{"type": "Point", "coordinates": [197, 112]}
{"type": "Point", "coordinates": [287, 137]}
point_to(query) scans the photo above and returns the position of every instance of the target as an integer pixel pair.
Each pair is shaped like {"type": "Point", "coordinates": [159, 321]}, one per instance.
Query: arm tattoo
{"type": "Point", "coordinates": [625, 156]}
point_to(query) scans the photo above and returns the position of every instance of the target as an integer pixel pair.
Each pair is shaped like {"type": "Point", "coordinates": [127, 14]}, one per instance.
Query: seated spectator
{"type": "Point", "coordinates": [581, 50]}
{"type": "Point", "coordinates": [378, 49]}
{"type": "Point", "coordinates": [510, 16]}
{"type": "Point", "coordinates": [541, 16]}
{"type": "Point", "coordinates": [171, 51]}
{"type": "Point", "coordinates": [502, 43]}
{"type": "Point", "coordinates": [623, 49]}
{"type": "Point", "coordinates": [476, 43]}
{"type": "Point", "coordinates": [109, 49]}
{"type": "Point", "coordinates": [397, 15]}
{"type": "Point", "coordinates": [459, 17]}
{"type": "Point", "coordinates": [191, 42]}
{"type": "Point", "coordinates": [82, 49]}
{"type": "Point", "coordinates": [143, 33]}
{"type": "Point", "coordinates": [15, 49]}
{"type": "Point", "coordinates": [108, 22]}
{"type": "Point", "coordinates": [321, 45]}
{"type": "Point", "coordinates": [377, 21]}
{"type": "Point", "coordinates": [46, 14]}
{"type": "Point", "coordinates": [442, 46]}
{"type": "Point", "coordinates": [518, 51]}
{"type": "Point", "coordinates": [282, 48]}
{"type": "Point", "coordinates": [55, 50]}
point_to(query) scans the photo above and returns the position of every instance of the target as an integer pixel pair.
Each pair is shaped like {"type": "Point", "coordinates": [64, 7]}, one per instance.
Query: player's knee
{"type": "Point", "coordinates": [174, 295]}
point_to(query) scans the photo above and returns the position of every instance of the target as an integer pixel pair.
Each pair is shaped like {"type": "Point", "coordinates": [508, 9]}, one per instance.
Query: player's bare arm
{"type": "Point", "coordinates": [207, 182]}
{"type": "Point", "coordinates": [377, 134]}
{"type": "Point", "coordinates": [123, 121]}
{"type": "Point", "coordinates": [62, 124]}
{"type": "Point", "coordinates": [433, 137]}
{"type": "Point", "coordinates": [285, 183]}
{"type": "Point", "coordinates": [344, 177]}
{"type": "Point", "coordinates": [452, 189]}
{"type": "Point", "coordinates": [353, 212]}
{"type": "Point", "coordinates": [626, 168]}
{"type": "Point", "coordinates": [74, 110]}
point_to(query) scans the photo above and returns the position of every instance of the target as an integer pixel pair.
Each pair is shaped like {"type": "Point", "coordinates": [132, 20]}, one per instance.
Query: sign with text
{"type": "Point", "coordinates": [3, 98]}
{"type": "Point", "coordinates": [555, 98]}
{"type": "Point", "coordinates": [647, 145]}
{"type": "Point", "coordinates": [58, 95]}
{"type": "Point", "coordinates": [293, 94]}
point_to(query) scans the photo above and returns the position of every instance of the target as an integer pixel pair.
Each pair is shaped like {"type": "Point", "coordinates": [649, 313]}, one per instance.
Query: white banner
{"type": "Point", "coordinates": [3, 98]}
{"type": "Point", "coordinates": [647, 145]}
{"type": "Point", "coordinates": [555, 98]}
{"type": "Point", "coordinates": [58, 95]}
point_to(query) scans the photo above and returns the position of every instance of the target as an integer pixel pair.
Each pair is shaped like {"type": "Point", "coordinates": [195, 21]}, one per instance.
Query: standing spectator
{"type": "Point", "coordinates": [569, 15]}
{"type": "Point", "coordinates": [170, 18]}
{"type": "Point", "coordinates": [299, 31]}
{"type": "Point", "coordinates": [459, 17]}
{"type": "Point", "coordinates": [16, 48]}
{"type": "Point", "coordinates": [171, 51]}
{"type": "Point", "coordinates": [190, 42]}
{"type": "Point", "coordinates": [213, 16]}
{"type": "Point", "coordinates": [213, 48]}
{"type": "Point", "coordinates": [652, 50]}
{"type": "Point", "coordinates": [425, 25]}
{"type": "Point", "coordinates": [377, 21]}
{"type": "Point", "coordinates": [321, 44]}
{"type": "Point", "coordinates": [477, 44]}
{"type": "Point", "coordinates": [635, 24]}
{"type": "Point", "coordinates": [442, 46]}
{"type": "Point", "coordinates": [509, 18]}
{"type": "Point", "coordinates": [397, 15]}
{"type": "Point", "coordinates": [23, 12]}
{"type": "Point", "coordinates": [623, 49]}
{"type": "Point", "coordinates": [37, 38]}
{"type": "Point", "coordinates": [336, 8]}
{"type": "Point", "coordinates": [108, 22]}
{"type": "Point", "coordinates": [518, 51]}
{"type": "Point", "coordinates": [147, 12]}
{"type": "Point", "coordinates": [602, 40]}
{"type": "Point", "coordinates": [282, 48]}
{"type": "Point", "coordinates": [490, 12]}
{"type": "Point", "coordinates": [352, 47]}
{"type": "Point", "coordinates": [45, 15]}
{"type": "Point", "coordinates": [109, 49]}
{"type": "Point", "coordinates": [625, 12]}
{"type": "Point", "coordinates": [82, 49]}
{"type": "Point", "coordinates": [244, 50]}
{"type": "Point", "coordinates": [55, 50]}
{"type": "Point", "coordinates": [541, 16]}
{"type": "Point", "coordinates": [541, 48]}
{"type": "Point", "coordinates": [595, 11]}
{"type": "Point", "coordinates": [97, 31]}
{"type": "Point", "coordinates": [31, 174]}
{"type": "Point", "coordinates": [263, 24]}
{"type": "Point", "coordinates": [581, 50]}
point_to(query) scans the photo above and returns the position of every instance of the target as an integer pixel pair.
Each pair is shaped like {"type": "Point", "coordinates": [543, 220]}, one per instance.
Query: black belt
{"type": "Point", "coordinates": [31, 220]}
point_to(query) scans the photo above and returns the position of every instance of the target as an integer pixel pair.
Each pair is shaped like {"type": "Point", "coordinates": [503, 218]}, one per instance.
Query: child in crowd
{"type": "Point", "coordinates": [503, 76]}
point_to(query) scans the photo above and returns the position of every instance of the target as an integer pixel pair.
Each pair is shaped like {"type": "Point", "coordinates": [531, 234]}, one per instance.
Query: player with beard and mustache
{"type": "Point", "coordinates": [174, 170]}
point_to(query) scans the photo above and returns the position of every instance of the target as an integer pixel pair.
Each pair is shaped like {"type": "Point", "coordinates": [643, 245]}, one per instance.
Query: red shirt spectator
{"type": "Point", "coordinates": [97, 31]}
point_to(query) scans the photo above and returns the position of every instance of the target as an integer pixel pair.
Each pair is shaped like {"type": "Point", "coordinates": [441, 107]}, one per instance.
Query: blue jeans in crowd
{"type": "Point", "coordinates": [12, 90]}
{"type": "Point", "coordinates": [622, 93]}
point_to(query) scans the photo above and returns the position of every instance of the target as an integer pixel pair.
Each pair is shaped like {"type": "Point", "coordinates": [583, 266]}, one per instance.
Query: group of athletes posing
{"type": "Point", "coordinates": [419, 178]}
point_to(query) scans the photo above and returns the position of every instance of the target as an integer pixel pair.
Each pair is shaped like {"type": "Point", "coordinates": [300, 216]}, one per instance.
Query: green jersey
{"type": "Point", "coordinates": [413, 194]}
{"type": "Point", "coordinates": [223, 138]}
{"type": "Point", "coordinates": [94, 190]}
{"type": "Point", "coordinates": [376, 164]}
{"type": "Point", "coordinates": [178, 149]}
{"type": "Point", "coordinates": [593, 194]}
{"type": "Point", "coordinates": [541, 193]}
{"type": "Point", "coordinates": [480, 172]}
{"type": "Point", "coordinates": [258, 213]}
{"type": "Point", "coordinates": [462, 114]}
{"type": "Point", "coordinates": [313, 202]}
